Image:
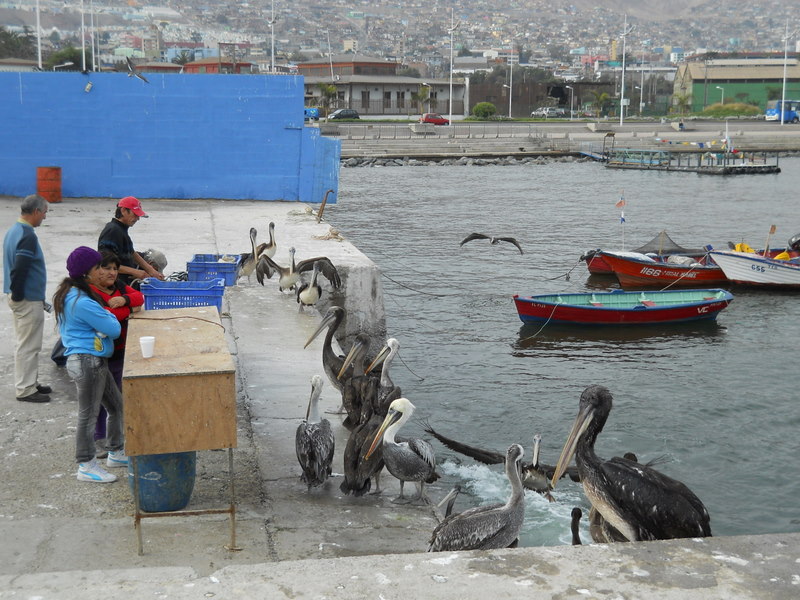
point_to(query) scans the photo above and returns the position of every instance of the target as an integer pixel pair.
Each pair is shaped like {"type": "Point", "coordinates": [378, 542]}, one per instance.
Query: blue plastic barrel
{"type": "Point", "coordinates": [166, 481]}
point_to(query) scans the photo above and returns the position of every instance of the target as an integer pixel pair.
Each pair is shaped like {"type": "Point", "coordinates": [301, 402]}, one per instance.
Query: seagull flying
{"type": "Point", "coordinates": [492, 240]}
{"type": "Point", "coordinates": [132, 72]}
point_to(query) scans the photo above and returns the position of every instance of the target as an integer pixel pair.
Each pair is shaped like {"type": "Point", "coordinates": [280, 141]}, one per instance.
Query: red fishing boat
{"type": "Point", "coordinates": [623, 308]}
{"type": "Point", "coordinates": [660, 246]}
{"type": "Point", "coordinates": [639, 270]}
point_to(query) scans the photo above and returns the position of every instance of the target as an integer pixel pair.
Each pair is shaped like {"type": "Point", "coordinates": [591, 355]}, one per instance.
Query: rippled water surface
{"type": "Point", "coordinates": [720, 401]}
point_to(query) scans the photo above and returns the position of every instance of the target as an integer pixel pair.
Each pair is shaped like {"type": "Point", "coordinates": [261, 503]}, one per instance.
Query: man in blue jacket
{"type": "Point", "coordinates": [25, 281]}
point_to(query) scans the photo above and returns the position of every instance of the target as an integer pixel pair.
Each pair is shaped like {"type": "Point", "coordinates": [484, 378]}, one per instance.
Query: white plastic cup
{"type": "Point", "coordinates": [148, 343]}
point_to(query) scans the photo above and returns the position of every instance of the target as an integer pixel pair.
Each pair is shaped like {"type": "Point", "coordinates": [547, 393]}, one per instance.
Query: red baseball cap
{"type": "Point", "coordinates": [133, 204]}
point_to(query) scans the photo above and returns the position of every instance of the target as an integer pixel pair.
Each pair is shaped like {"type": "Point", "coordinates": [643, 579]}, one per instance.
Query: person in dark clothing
{"type": "Point", "coordinates": [25, 282]}
{"type": "Point", "coordinates": [115, 238]}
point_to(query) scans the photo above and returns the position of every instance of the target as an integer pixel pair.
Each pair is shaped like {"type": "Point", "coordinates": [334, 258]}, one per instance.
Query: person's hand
{"type": "Point", "coordinates": [116, 302]}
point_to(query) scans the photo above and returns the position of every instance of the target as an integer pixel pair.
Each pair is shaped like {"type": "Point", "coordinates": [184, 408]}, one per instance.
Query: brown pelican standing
{"type": "Point", "coordinates": [638, 501]}
{"type": "Point", "coordinates": [357, 386]}
{"type": "Point", "coordinates": [535, 475]}
{"type": "Point", "coordinates": [314, 443]}
{"type": "Point", "coordinates": [331, 361]}
{"type": "Point", "coordinates": [411, 460]}
{"type": "Point", "coordinates": [357, 471]}
{"type": "Point", "coordinates": [486, 527]}
{"type": "Point", "coordinates": [492, 240]}
{"type": "Point", "coordinates": [289, 276]}
{"type": "Point", "coordinates": [249, 259]}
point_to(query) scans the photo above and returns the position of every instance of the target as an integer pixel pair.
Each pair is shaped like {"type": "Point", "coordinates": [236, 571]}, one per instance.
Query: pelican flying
{"type": "Point", "coordinates": [492, 240]}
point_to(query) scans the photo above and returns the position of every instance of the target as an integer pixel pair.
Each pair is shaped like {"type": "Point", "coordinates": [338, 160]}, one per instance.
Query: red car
{"type": "Point", "coordinates": [434, 118]}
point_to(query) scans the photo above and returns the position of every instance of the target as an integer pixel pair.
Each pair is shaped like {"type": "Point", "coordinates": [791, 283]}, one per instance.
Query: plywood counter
{"type": "Point", "coordinates": [184, 397]}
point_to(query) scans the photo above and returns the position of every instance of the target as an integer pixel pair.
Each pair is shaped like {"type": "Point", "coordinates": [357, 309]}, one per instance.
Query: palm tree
{"type": "Point", "coordinates": [600, 101]}
{"type": "Point", "coordinates": [182, 58]}
{"type": "Point", "coordinates": [682, 102]}
{"type": "Point", "coordinates": [327, 96]}
{"type": "Point", "coordinates": [420, 97]}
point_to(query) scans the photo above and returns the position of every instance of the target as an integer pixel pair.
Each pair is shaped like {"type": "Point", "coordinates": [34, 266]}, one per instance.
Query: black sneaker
{"type": "Point", "coordinates": [43, 389]}
{"type": "Point", "coordinates": [35, 397]}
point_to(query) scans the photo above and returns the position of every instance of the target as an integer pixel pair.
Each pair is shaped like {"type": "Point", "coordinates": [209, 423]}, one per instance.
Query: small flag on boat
{"type": "Point", "coordinates": [621, 202]}
{"type": "Point", "coordinates": [772, 229]}
{"type": "Point", "coordinates": [622, 217]}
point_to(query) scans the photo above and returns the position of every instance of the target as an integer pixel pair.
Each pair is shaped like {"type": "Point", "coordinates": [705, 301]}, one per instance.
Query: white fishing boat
{"type": "Point", "coordinates": [747, 268]}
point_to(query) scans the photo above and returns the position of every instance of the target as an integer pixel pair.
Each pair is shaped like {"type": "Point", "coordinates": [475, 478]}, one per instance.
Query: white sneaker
{"type": "Point", "coordinates": [116, 458]}
{"type": "Point", "coordinates": [91, 471]}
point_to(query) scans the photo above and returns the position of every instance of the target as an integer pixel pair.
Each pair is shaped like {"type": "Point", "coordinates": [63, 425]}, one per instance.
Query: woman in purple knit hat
{"type": "Point", "coordinates": [88, 332]}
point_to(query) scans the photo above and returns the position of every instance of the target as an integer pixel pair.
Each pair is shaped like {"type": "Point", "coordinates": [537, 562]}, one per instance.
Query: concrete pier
{"type": "Point", "coordinates": [67, 539]}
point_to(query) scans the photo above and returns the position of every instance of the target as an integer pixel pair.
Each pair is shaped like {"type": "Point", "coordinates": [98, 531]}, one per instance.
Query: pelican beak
{"type": "Point", "coordinates": [327, 320]}
{"type": "Point", "coordinates": [384, 352]}
{"type": "Point", "coordinates": [356, 350]}
{"type": "Point", "coordinates": [308, 408]}
{"type": "Point", "coordinates": [392, 417]}
{"type": "Point", "coordinates": [582, 421]}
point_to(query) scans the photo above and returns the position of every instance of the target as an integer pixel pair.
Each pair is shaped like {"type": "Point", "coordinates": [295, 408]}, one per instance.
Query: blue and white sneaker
{"type": "Point", "coordinates": [116, 458]}
{"type": "Point", "coordinates": [91, 471]}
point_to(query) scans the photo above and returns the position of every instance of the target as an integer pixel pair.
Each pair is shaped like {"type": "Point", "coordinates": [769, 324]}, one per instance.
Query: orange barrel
{"type": "Point", "coordinates": [48, 183]}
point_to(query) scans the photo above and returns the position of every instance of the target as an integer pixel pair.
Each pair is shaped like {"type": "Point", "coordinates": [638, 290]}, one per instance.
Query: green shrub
{"type": "Point", "coordinates": [484, 110]}
{"type": "Point", "coordinates": [733, 109]}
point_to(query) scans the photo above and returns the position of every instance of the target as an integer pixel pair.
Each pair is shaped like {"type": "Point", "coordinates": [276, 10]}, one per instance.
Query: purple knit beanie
{"type": "Point", "coordinates": [81, 260]}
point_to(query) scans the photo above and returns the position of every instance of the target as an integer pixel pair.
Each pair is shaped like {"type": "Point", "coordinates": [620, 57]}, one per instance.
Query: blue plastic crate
{"type": "Point", "coordinates": [208, 266]}
{"type": "Point", "coordinates": [180, 294]}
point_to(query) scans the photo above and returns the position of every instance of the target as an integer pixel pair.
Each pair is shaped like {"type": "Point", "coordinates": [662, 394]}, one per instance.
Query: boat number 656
{"type": "Point", "coordinates": [758, 268]}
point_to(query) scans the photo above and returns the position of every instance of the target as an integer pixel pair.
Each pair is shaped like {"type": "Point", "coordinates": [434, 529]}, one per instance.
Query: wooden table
{"type": "Point", "coordinates": [183, 398]}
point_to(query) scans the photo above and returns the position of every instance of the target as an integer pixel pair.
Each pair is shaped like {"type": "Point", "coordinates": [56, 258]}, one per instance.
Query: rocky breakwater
{"type": "Point", "coordinates": [465, 161]}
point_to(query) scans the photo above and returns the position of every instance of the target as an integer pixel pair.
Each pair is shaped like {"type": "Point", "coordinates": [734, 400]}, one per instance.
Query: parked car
{"type": "Point", "coordinates": [343, 113]}
{"type": "Point", "coordinates": [434, 118]}
{"type": "Point", "coordinates": [549, 112]}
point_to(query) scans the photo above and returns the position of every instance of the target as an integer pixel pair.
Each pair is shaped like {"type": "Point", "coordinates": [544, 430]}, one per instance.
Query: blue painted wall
{"type": "Point", "coordinates": [180, 136]}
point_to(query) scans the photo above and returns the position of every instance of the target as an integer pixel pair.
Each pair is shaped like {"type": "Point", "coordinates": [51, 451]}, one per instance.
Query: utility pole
{"type": "Point", "coordinates": [625, 31]}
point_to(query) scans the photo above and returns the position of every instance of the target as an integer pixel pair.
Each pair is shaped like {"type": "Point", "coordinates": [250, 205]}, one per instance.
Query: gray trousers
{"type": "Point", "coordinates": [95, 386]}
{"type": "Point", "coordinates": [28, 330]}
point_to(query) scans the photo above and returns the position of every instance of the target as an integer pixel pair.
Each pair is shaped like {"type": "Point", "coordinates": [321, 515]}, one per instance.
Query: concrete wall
{"type": "Point", "coordinates": [179, 136]}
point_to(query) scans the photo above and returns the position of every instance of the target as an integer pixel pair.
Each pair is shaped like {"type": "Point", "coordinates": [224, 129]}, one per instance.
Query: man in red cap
{"type": "Point", "coordinates": [116, 239]}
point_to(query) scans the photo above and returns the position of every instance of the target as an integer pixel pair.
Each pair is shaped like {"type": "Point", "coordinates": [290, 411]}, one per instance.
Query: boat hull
{"type": "Point", "coordinates": [745, 268]}
{"type": "Point", "coordinates": [623, 308]}
{"type": "Point", "coordinates": [635, 272]}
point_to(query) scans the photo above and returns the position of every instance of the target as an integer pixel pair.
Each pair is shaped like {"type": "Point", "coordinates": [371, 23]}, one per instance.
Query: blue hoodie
{"type": "Point", "coordinates": [86, 327]}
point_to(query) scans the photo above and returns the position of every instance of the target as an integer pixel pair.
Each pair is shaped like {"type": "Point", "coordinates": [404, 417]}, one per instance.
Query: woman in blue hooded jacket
{"type": "Point", "coordinates": [88, 332]}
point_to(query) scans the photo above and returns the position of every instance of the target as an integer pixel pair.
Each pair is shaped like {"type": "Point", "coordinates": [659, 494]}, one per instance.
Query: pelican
{"type": "Point", "coordinates": [492, 240]}
{"type": "Point", "coordinates": [314, 443]}
{"type": "Point", "coordinates": [357, 386]}
{"type": "Point", "coordinates": [535, 475]}
{"type": "Point", "coordinates": [411, 460]}
{"type": "Point", "coordinates": [575, 522]}
{"type": "Point", "coordinates": [331, 361]}
{"type": "Point", "coordinates": [289, 276]}
{"type": "Point", "coordinates": [308, 294]}
{"type": "Point", "coordinates": [248, 260]}
{"type": "Point", "coordinates": [357, 471]}
{"type": "Point", "coordinates": [486, 527]}
{"type": "Point", "coordinates": [638, 501]}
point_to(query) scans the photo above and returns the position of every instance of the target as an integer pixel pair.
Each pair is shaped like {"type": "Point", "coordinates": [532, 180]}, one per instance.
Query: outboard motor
{"type": "Point", "coordinates": [794, 243]}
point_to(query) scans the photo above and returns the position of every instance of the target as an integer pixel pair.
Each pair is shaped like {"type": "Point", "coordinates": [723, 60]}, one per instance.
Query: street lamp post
{"type": "Point", "coordinates": [641, 103]}
{"type": "Point", "coordinates": [69, 63]}
{"type": "Point", "coordinates": [786, 36]}
{"type": "Point", "coordinates": [625, 31]}
{"type": "Point", "coordinates": [571, 100]}
{"type": "Point", "coordinates": [272, 39]}
{"type": "Point", "coordinates": [722, 89]}
{"type": "Point", "coordinates": [39, 36]}
{"type": "Point", "coordinates": [510, 78]}
{"type": "Point", "coordinates": [453, 27]}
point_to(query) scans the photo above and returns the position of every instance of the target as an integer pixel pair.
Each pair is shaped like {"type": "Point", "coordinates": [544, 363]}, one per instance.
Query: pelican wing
{"type": "Point", "coordinates": [512, 240]}
{"type": "Point", "coordinates": [476, 528]}
{"type": "Point", "coordinates": [326, 268]}
{"type": "Point", "coordinates": [425, 451]}
{"type": "Point", "coordinates": [487, 457]}
{"type": "Point", "coordinates": [661, 507]}
{"type": "Point", "coordinates": [473, 236]}
{"type": "Point", "coordinates": [266, 265]}
{"type": "Point", "coordinates": [131, 68]}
